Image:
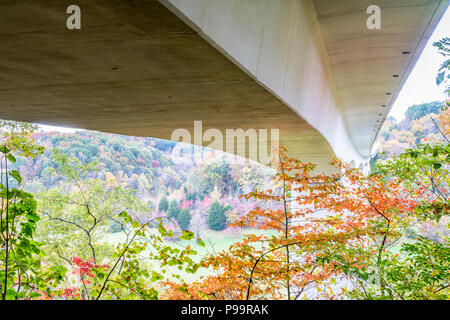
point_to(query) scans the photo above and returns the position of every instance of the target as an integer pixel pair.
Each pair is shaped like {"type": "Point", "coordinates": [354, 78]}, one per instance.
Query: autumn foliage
{"type": "Point", "coordinates": [319, 228]}
{"type": "Point", "coordinates": [444, 119]}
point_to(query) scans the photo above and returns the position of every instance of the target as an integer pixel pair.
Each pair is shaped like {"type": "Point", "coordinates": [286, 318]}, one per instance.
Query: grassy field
{"type": "Point", "coordinates": [214, 242]}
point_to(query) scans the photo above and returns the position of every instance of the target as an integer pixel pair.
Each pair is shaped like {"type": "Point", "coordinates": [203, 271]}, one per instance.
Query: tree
{"type": "Point", "coordinates": [444, 119]}
{"type": "Point", "coordinates": [21, 272]}
{"type": "Point", "coordinates": [163, 204]}
{"type": "Point", "coordinates": [77, 214]}
{"type": "Point", "coordinates": [77, 211]}
{"type": "Point", "coordinates": [217, 218]}
{"type": "Point", "coordinates": [326, 227]}
{"type": "Point", "coordinates": [17, 138]}
{"type": "Point", "coordinates": [423, 170]}
{"type": "Point", "coordinates": [173, 210]}
{"type": "Point", "coordinates": [19, 255]}
{"type": "Point", "coordinates": [420, 269]}
{"type": "Point", "coordinates": [418, 111]}
{"type": "Point", "coordinates": [184, 219]}
{"type": "Point", "coordinates": [216, 173]}
{"type": "Point", "coordinates": [418, 272]}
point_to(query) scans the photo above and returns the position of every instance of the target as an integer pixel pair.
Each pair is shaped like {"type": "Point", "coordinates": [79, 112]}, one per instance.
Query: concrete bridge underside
{"type": "Point", "coordinates": [145, 67]}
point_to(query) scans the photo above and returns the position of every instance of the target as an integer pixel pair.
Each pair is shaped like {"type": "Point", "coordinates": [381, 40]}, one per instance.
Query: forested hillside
{"type": "Point", "coordinates": [153, 171]}
{"type": "Point", "coordinates": [420, 125]}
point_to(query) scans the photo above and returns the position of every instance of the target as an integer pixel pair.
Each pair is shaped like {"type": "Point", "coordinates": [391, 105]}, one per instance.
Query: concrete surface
{"type": "Point", "coordinates": [146, 68]}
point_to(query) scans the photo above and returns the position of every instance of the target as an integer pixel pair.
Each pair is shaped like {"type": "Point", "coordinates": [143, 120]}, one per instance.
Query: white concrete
{"type": "Point", "coordinates": [281, 45]}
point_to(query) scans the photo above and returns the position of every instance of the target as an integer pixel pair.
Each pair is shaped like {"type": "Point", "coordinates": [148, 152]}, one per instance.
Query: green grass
{"type": "Point", "coordinates": [215, 241]}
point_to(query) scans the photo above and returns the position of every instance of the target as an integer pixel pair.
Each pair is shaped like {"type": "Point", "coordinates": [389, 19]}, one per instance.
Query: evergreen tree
{"type": "Point", "coordinates": [163, 204]}
{"type": "Point", "coordinates": [184, 219]}
{"type": "Point", "coordinates": [173, 210]}
{"type": "Point", "coordinates": [217, 219]}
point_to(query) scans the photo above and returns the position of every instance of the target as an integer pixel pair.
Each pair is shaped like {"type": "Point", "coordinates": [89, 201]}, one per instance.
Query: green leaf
{"type": "Point", "coordinates": [34, 295]}
{"type": "Point", "coordinates": [4, 150]}
{"type": "Point", "coordinates": [437, 165]}
{"type": "Point", "coordinates": [11, 294]}
{"type": "Point", "coordinates": [440, 78]}
{"type": "Point", "coordinates": [156, 276]}
{"type": "Point", "coordinates": [16, 175]}
{"type": "Point", "coordinates": [123, 214]}
{"type": "Point", "coordinates": [135, 224]}
{"type": "Point", "coordinates": [36, 264]}
{"type": "Point", "coordinates": [187, 235]}
{"type": "Point", "coordinates": [11, 158]}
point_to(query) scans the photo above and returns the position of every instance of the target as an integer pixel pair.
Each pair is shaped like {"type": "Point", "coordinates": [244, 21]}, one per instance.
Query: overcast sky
{"type": "Point", "coordinates": [419, 88]}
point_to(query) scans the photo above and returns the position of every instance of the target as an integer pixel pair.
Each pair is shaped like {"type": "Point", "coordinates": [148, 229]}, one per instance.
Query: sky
{"type": "Point", "coordinates": [420, 86]}
{"type": "Point", "coordinates": [46, 128]}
